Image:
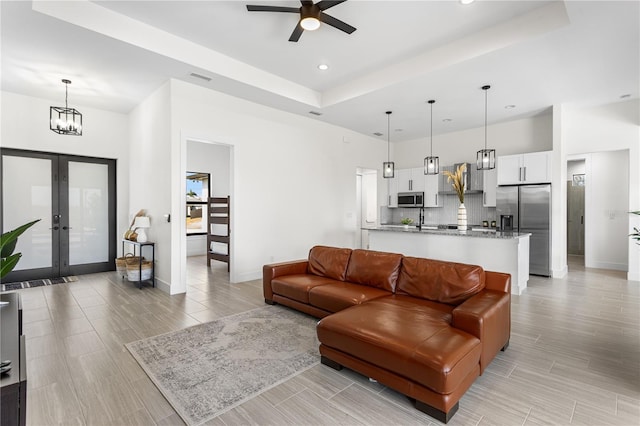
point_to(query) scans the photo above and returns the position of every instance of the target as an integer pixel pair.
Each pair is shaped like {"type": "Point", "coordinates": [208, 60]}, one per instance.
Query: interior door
{"type": "Point", "coordinates": [575, 219]}
{"type": "Point", "coordinates": [75, 199]}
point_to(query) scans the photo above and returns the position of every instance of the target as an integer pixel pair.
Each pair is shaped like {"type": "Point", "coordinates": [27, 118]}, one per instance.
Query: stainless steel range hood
{"type": "Point", "coordinates": [466, 176]}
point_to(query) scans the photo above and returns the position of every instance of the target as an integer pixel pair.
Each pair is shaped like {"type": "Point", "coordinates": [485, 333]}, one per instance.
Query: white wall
{"type": "Point", "coordinates": [293, 178]}
{"type": "Point", "coordinates": [150, 176]}
{"type": "Point", "coordinates": [613, 127]}
{"type": "Point", "coordinates": [25, 125]}
{"type": "Point", "coordinates": [513, 137]}
{"type": "Point", "coordinates": [215, 160]}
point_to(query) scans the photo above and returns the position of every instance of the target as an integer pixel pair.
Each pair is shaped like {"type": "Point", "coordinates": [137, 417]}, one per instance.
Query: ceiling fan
{"type": "Point", "coordinates": [311, 14]}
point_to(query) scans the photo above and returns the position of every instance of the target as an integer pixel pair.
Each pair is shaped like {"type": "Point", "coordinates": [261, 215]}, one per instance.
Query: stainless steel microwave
{"type": "Point", "coordinates": [411, 199]}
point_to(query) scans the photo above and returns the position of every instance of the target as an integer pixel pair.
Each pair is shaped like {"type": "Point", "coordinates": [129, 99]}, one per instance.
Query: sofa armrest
{"type": "Point", "coordinates": [275, 270]}
{"type": "Point", "coordinates": [487, 316]}
{"type": "Point", "coordinates": [498, 281]}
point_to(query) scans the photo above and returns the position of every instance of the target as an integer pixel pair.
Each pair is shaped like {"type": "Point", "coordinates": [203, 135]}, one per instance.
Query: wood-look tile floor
{"type": "Point", "coordinates": [574, 357]}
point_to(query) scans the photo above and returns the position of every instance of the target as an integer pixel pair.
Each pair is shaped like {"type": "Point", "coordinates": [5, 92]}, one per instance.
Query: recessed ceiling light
{"type": "Point", "coordinates": [398, 130]}
{"type": "Point", "coordinates": [323, 67]}
{"type": "Point", "coordinates": [315, 113]}
{"type": "Point", "coordinates": [447, 120]}
{"type": "Point", "coordinates": [466, 1]}
{"type": "Point", "coordinates": [625, 96]}
{"type": "Point", "coordinates": [509, 106]}
{"type": "Point", "coordinates": [378, 134]}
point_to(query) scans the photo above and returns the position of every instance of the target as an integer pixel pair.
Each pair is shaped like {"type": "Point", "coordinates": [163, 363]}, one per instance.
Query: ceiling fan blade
{"type": "Point", "coordinates": [336, 23]}
{"type": "Point", "coordinates": [297, 32]}
{"type": "Point", "coordinates": [254, 8]}
{"type": "Point", "coordinates": [326, 4]}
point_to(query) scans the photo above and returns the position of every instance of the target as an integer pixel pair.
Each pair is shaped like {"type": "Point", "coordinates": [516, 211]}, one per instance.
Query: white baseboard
{"type": "Point", "coordinates": [560, 273]}
{"type": "Point", "coordinates": [607, 265]}
{"type": "Point", "coordinates": [163, 285]}
{"type": "Point", "coordinates": [248, 276]}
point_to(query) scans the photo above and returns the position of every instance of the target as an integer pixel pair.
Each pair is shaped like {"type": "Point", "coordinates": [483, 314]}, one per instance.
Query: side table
{"type": "Point", "coordinates": [138, 247]}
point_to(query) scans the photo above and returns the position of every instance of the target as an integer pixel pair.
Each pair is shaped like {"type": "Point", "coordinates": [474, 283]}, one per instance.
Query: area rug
{"type": "Point", "coordinates": [210, 368]}
{"type": "Point", "coordinates": [36, 283]}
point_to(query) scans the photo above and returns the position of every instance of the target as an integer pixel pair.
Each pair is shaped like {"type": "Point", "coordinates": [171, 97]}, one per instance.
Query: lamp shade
{"type": "Point", "coordinates": [142, 222]}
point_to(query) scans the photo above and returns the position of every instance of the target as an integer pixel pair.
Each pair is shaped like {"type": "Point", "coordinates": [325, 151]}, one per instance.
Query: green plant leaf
{"type": "Point", "coordinates": [8, 263]}
{"type": "Point", "coordinates": [8, 239]}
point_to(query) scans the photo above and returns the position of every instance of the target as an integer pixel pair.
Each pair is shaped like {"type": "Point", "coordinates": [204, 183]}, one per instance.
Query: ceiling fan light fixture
{"type": "Point", "coordinates": [310, 23]}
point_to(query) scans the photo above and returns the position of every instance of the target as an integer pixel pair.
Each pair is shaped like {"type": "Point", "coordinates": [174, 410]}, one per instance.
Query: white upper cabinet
{"type": "Point", "coordinates": [489, 185]}
{"type": "Point", "coordinates": [392, 188]}
{"type": "Point", "coordinates": [433, 185]}
{"type": "Point", "coordinates": [533, 167]}
{"type": "Point", "coordinates": [410, 180]}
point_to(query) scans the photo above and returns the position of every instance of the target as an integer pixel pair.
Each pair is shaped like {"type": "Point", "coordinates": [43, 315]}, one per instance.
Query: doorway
{"type": "Point", "coordinates": [75, 198]}
{"type": "Point", "coordinates": [576, 182]}
{"type": "Point", "coordinates": [366, 205]}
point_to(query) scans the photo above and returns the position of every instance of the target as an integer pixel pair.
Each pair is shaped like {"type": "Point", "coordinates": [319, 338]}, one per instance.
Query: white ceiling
{"type": "Point", "coordinates": [533, 53]}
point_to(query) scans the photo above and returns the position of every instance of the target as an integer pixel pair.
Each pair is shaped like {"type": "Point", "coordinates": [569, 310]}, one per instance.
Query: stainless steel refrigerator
{"type": "Point", "coordinates": [528, 208]}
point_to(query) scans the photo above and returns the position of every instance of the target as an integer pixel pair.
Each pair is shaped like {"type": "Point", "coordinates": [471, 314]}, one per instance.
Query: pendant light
{"type": "Point", "coordinates": [388, 166]}
{"type": "Point", "coordinates": [431, 163]}
{"type": "Point", "coordinates": [486, 158]}
{"type": "Point", "coordinates": [65, 120]}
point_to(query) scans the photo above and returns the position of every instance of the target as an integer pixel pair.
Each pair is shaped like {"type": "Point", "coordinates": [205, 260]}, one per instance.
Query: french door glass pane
{"type": "Point", "coordinates": [88, 213]}
{"type": "Point", "coordinates": [27, 196]}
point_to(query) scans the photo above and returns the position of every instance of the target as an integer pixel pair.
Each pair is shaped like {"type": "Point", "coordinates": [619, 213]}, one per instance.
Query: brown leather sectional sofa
{"type": "Point", "coordinates": [426, 328]}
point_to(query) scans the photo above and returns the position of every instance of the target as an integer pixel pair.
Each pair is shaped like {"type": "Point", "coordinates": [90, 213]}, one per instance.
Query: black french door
{"type": "Point", "coordinates": [75, 199]}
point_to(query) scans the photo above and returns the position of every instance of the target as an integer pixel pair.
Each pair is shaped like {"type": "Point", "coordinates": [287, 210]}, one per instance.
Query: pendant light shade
{"type": "Point", "coordinates": [431, 163]}
{"type": "Point", "coordinates": [388, 166]}
{"type": "Point", "coordinates": [486, 158]}
{"type": "Point", "coordinates": [65, 120]}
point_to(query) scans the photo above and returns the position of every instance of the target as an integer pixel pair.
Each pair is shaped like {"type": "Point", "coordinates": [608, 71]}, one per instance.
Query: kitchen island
{"type": "Point", "coordinates": [495, 251]}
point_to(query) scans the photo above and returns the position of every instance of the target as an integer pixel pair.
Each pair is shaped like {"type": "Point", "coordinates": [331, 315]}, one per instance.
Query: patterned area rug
{"type": "Point", "coordinates": [36, 283]}
{"type": "Point", "coordinates": [210, 368]}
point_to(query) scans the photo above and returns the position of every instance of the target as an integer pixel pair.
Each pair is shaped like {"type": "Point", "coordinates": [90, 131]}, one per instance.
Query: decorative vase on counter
{"type": "Point", "coordinates": [462, 217]}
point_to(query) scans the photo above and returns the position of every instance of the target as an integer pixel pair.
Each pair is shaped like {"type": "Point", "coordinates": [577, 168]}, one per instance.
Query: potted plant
{"type": "Point", "coordinates": [8, 243]}
{"type": "Point", "coordinates": [406, 221]}
{"type": "Point", "coordinates": [457, 181]}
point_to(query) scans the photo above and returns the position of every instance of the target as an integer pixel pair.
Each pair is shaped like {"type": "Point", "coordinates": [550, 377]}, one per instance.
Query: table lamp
{"type": "Point", "coordinates": [140, 224]}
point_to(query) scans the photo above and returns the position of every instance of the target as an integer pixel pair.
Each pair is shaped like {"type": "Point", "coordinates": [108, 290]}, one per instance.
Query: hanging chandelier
{"type": "Point", "coordinates": [486, 158]}
{"type": "Point", "coordinates": [388, 166]}
{"type": "Point", "coordinates": [65, 120]}
{"type": "Point", "coordinates": [431, 163]}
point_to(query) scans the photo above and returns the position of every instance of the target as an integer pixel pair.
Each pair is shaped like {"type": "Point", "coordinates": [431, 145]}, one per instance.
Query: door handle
{"type": "Point", "coordinates": [524, 169]}
{"type": "Point", "coordinates": [55, 228]}
{"type": "Point", "coordinates": [581, 220]}
{"type": "Point", "coordinates": [66, 228]}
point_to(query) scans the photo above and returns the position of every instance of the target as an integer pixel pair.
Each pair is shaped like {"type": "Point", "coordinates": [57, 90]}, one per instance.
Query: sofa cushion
{"type": "Point", "coordinates": [412, 343]}
{"type": "Point", "coordinates": [374, 268]}
{"type": "Point", "coordinates": [297, 286]}
{"type": "Point", "coordinates": [330, 262]}
{"type": "Point", "coordinates": [445, 282]}
{"type": "Point", "coordinates": [338, 296]}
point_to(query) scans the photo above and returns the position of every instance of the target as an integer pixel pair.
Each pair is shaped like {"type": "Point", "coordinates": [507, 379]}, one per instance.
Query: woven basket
{"type": "Point", "coordinates": [133, 270]}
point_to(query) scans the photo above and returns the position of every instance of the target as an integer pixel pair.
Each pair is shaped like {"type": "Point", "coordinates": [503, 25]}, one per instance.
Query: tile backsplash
{"type": "Point", "coordinates": [448, 214]}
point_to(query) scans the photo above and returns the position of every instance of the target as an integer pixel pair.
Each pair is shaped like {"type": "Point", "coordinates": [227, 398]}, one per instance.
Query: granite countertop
{"type": "Point", "coordinates": [453, 232]}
